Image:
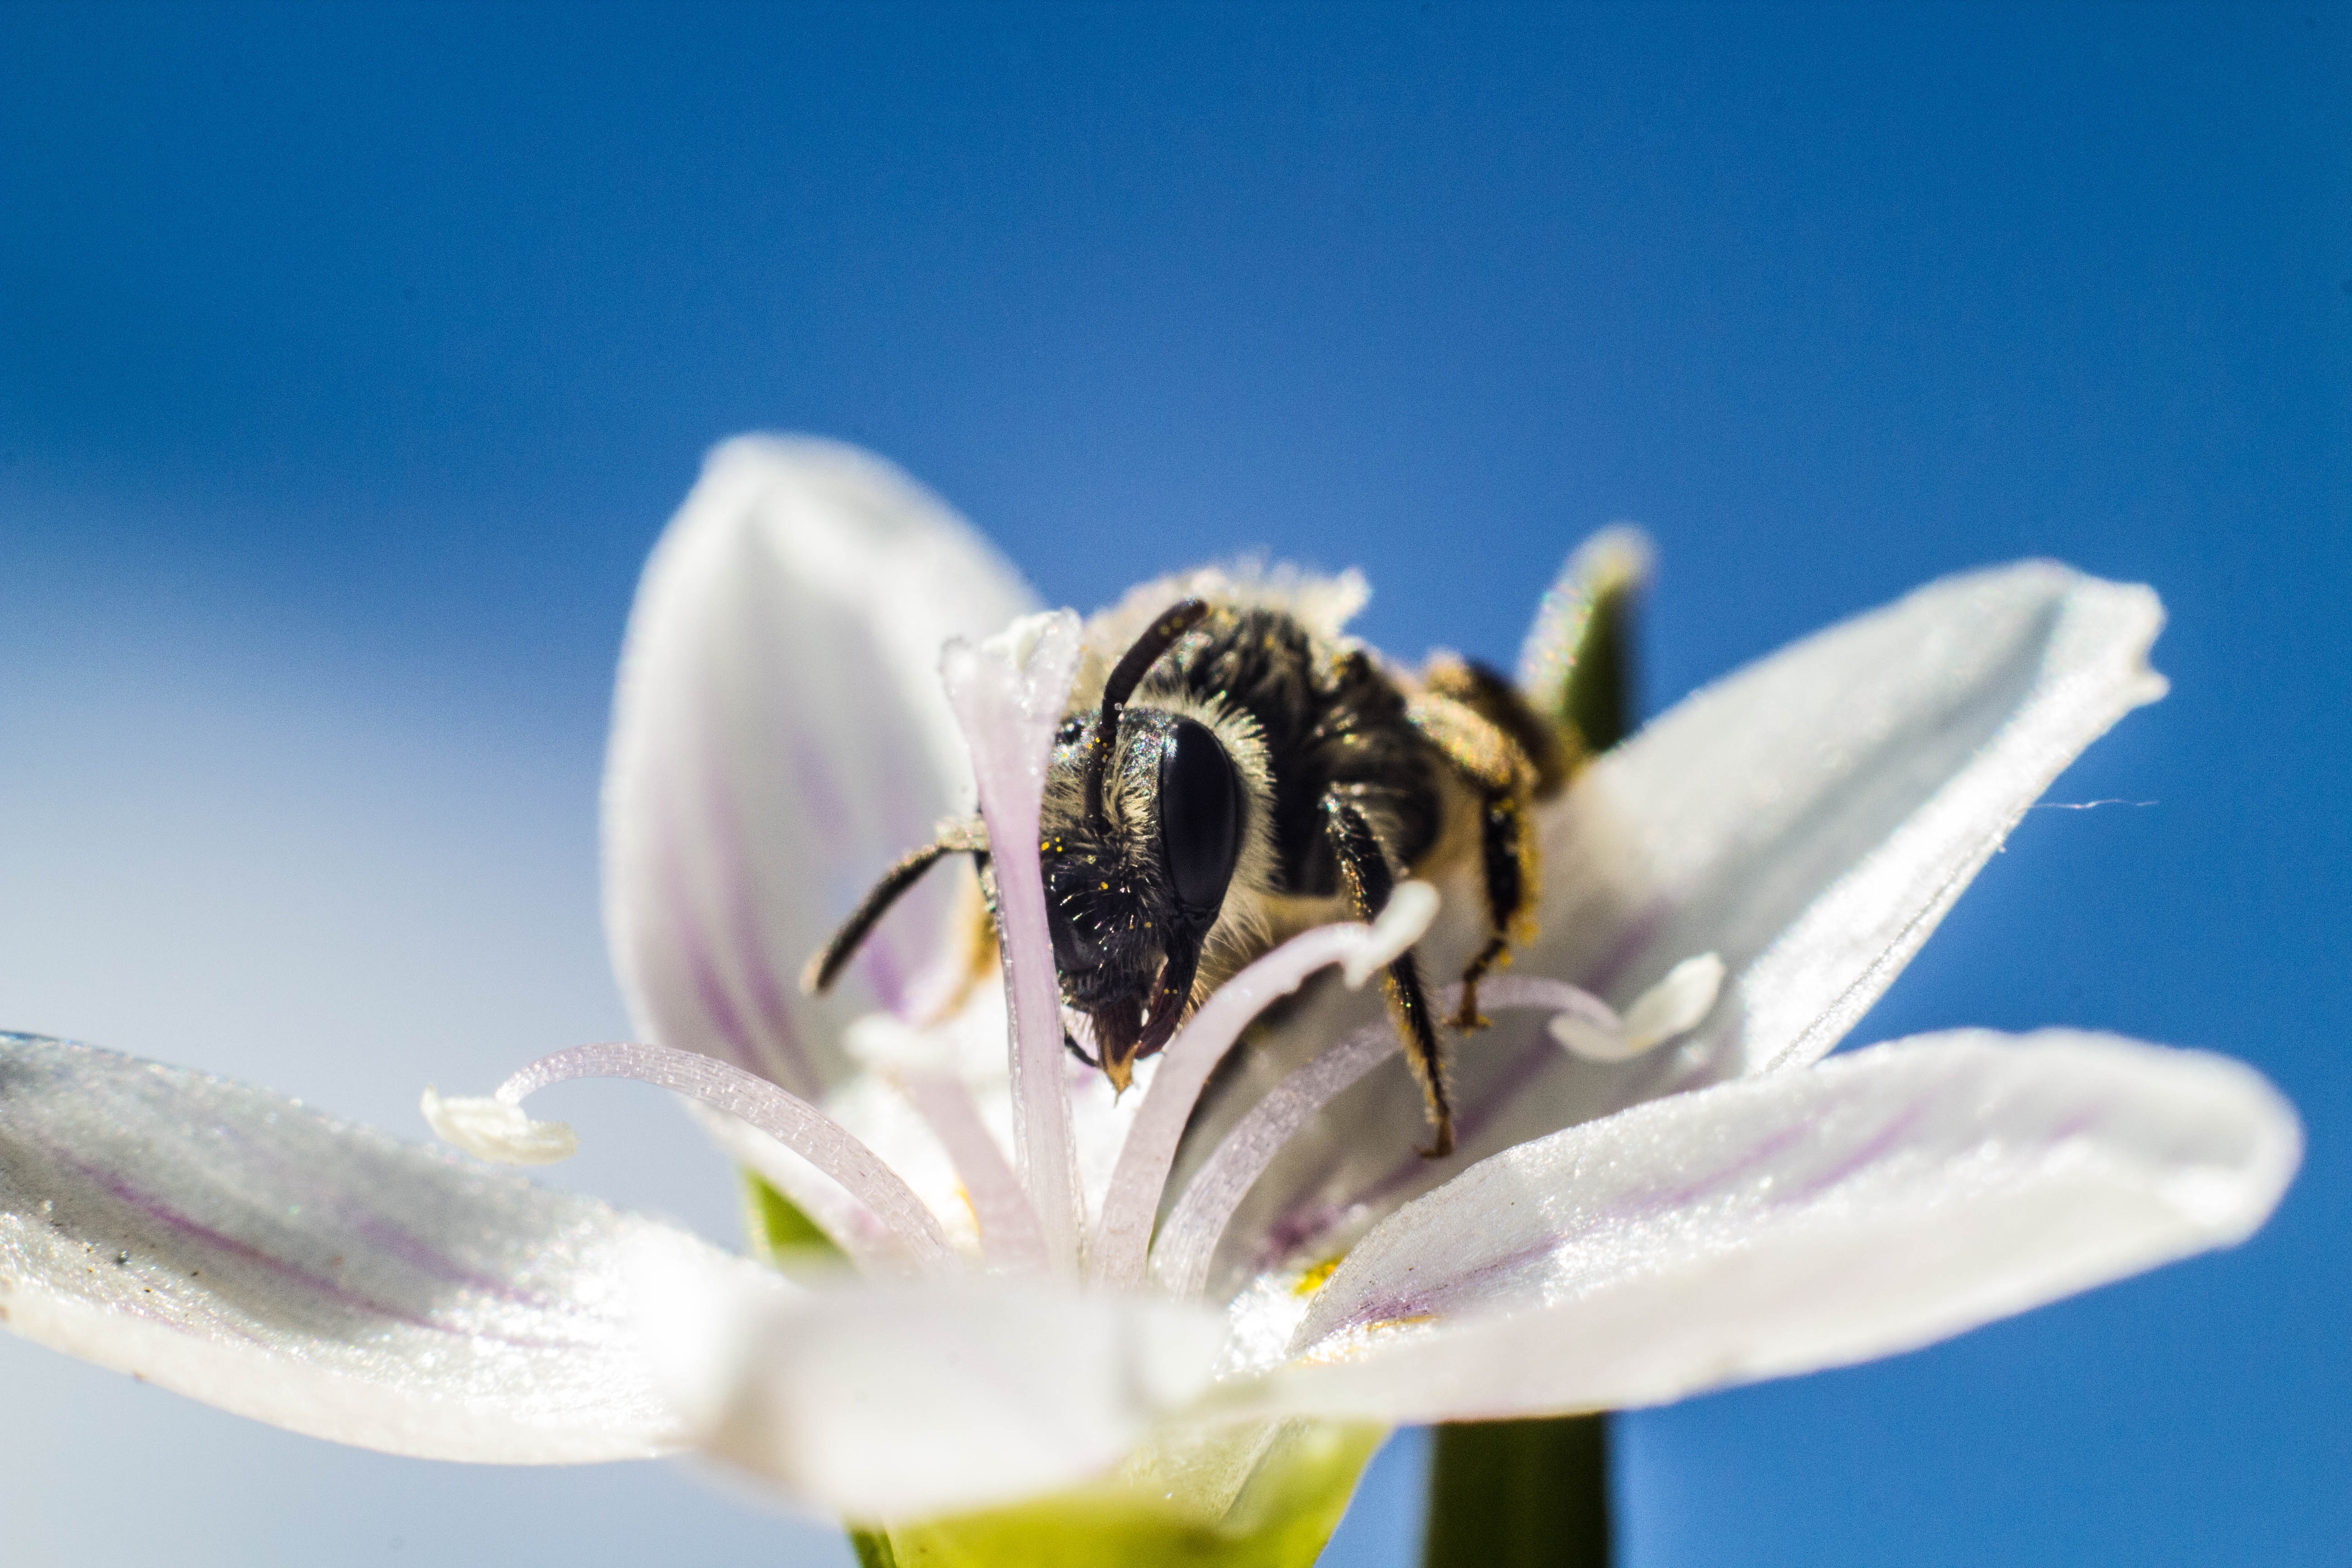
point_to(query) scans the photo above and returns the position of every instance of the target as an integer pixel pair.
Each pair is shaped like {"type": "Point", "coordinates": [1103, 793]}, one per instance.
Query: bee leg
{"type": "Point", "coordinates": [825, 967]}
{"type": "Point", "coordinates": [1511, 757]}
{"type": "Point", "coordinates": [1507, 855]}
{"type": "Point", "coordinates": [1549, 747]}
{"type": "Point", "coordinates": [1364, 869]}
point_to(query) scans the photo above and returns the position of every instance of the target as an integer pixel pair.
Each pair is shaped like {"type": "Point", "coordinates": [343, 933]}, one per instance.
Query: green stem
{"type": "Point", "coordinates": [1519, 1494]}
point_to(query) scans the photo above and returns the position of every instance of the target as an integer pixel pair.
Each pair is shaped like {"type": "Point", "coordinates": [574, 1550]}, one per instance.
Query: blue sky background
{"type": "Point", "coordinates": [351, 359]}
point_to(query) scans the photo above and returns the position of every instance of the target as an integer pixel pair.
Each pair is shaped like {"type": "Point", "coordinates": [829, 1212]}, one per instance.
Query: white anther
{"type": "Point", "coordinates": [1673, 1007]}
{"type": "Point", "coordinates": [492, 1130]}
{"type": "Point", "coordinates": [1017, 643]}
{"type": "Point", "coordinates": [1411, 907]}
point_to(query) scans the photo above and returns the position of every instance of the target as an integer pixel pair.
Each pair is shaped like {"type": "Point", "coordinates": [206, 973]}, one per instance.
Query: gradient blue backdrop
{"type": "Point", "coordinates": [349, 360]}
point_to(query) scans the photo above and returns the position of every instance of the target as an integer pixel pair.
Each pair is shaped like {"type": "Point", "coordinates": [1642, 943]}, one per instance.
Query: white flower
{"type": "Point", "coordinates": [1650, 1198]}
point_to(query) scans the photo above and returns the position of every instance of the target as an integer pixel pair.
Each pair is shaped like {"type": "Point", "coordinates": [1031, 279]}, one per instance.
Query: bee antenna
{"type": "Point", "coordinates": [1132, 667]}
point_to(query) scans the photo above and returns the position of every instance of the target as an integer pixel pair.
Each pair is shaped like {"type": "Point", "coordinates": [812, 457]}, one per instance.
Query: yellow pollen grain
{"type": "Point", "coordinates": [1312, 1280]}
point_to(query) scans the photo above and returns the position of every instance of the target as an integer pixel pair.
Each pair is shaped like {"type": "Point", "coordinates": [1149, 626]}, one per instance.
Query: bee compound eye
{"type": "Point", "coordinates": [1200, 819]}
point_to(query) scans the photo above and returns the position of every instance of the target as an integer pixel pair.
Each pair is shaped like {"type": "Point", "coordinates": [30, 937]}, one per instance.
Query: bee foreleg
{"type": "Point", "coordinates": [825, 967]}
{"type": "Point", "coordinates": [1364, 869]}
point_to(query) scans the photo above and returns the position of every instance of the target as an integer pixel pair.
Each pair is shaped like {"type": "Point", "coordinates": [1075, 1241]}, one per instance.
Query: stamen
{"type": "Point", "coordinates": [1411, 907]}
{"type": "Point", "coordinates": [1009, 1235]}
{"type": "Point", "coordinates": [492, 1130]}
{"type": "Point", "coordinates": [1179, 1259]}
{"type": "Point", "coordinates": [1008, 695]}
{"type": "Point", "coordinates": [1188, 1241]}
{"type": "Point", "coordinates": [785, 1117]}
{"type": "Point", "coordinates": [1673, 1007]}
{"type": "Point", "coordinates": [1124, 1231]}
{"type": "Point", "coordinates": [923, 1064]}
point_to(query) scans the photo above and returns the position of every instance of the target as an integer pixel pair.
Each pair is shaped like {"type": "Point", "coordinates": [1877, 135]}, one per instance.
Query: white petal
{"type": "Point", "coordinates": [1874, 1203]}
{"type": "Point", "coordinates": [1813, 819]}
{"type": "Point", "coordinates": [779, 738]}
{"type": "Point", "coordinates": [223, 1243]}
{"type": "Point", "coordinates": [882, 1402]}
{"type": "Point", "coordinates": [1808, 820]}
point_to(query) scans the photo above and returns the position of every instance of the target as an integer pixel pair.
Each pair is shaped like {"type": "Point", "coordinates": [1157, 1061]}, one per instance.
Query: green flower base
{"type": "Point", "coordinates": [1284, 1513]}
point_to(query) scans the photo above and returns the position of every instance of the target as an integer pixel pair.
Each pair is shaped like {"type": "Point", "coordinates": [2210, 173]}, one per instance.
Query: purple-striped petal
{"type": "Point", "coordinates": [1808, 819]}
{"type": "Point", "coordinates": [1871, 1204]}
{"type": "Point", "coordinates": [226, 1244]}
{"type": "Point", "coordinates": [779, 738]}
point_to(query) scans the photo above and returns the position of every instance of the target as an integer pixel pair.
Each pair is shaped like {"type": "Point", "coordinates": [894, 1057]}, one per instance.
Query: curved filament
{"type": "Point", "coordinates": [783, 1116]}
{"type": "Point", "coordinates": [1180, 1262]}
{"type": "Point", "coordinates": [1123, 1234]}
{"type": "Point", "coordinates": [1009, 1235]}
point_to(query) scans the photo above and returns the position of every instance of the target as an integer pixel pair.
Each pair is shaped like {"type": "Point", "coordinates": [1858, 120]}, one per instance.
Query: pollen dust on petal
{"type": "Point", "coordinates": [1313, 1279]}
{"type": "Point", "coordinates": [1348, 1346]}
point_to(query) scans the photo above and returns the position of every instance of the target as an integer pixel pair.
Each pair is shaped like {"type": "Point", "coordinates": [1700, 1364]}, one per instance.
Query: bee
{"type": "Point", "coordinates": [1231, 769]}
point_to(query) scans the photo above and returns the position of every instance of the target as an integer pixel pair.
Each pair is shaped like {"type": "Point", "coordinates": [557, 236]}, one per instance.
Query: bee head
{"type": "Point", "coordinates": [1134, 885]}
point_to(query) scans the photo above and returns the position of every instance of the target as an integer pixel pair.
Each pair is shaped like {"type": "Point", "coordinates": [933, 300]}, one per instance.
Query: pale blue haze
{"type": "Point", "coordinates": [351, 359]}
